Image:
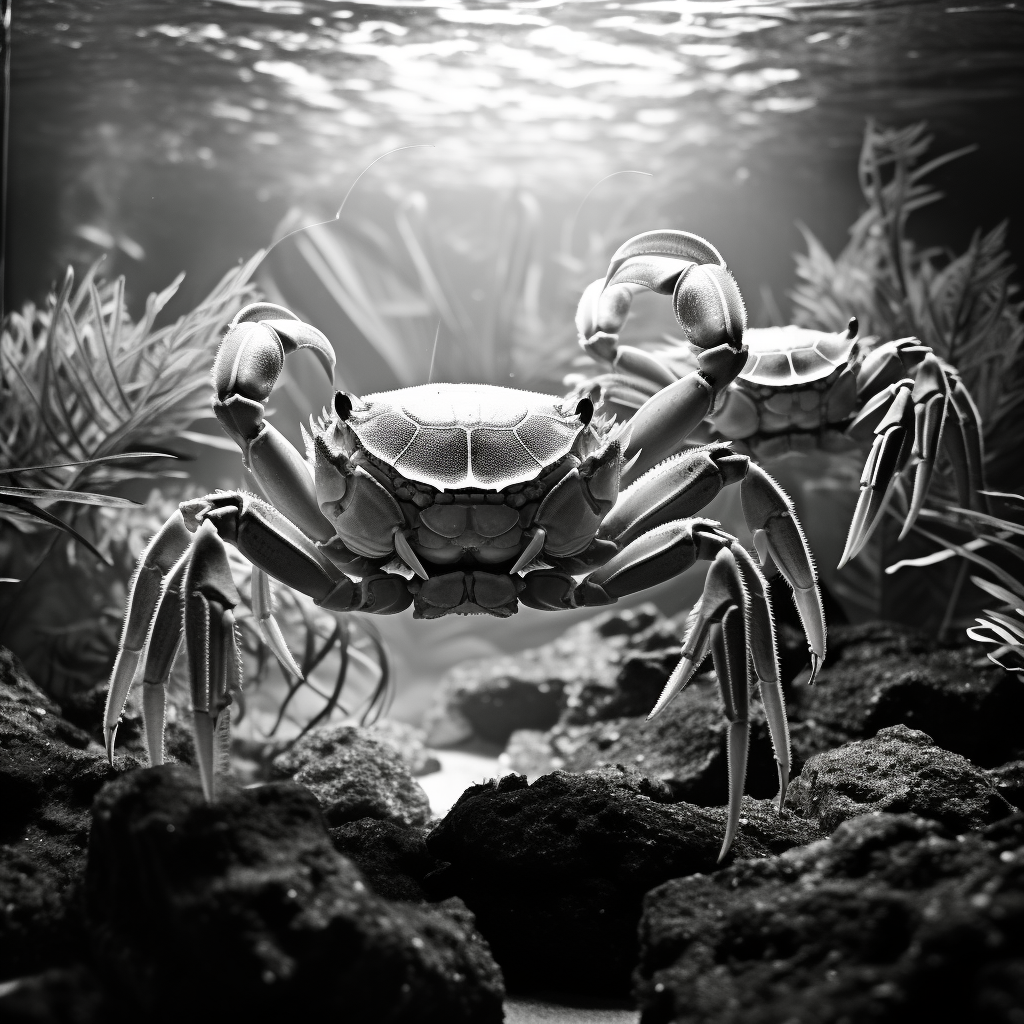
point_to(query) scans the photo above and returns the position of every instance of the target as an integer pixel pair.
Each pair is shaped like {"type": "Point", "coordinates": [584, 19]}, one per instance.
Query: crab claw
{"type": "Point", "coordinates": [144, 594]}
{"type": "Point", "coordinates": [720, 624]}
{"type": "Point", "coordinates": [931, 407]}
{"type": "Point", "coordinates": [214, 662]}
{"type": "Point", "coordinates": [779, 538]}
{"type": "Point", "coordinates": [889, 454]}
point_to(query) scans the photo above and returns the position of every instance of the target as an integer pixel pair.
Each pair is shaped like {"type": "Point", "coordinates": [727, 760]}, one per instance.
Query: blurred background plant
{"type": "Point", "coordinates": [408, 289]}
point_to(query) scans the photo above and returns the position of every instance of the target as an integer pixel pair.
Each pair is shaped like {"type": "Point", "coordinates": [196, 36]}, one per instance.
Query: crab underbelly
{"type": "Point", "coordinates": [468, 534]}
{"type": "Point", "coordinates": [469, 548]}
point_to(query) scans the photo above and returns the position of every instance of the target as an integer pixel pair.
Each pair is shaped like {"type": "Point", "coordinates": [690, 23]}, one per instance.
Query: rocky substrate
{"type": "Point", "coordinates": [891, 881]}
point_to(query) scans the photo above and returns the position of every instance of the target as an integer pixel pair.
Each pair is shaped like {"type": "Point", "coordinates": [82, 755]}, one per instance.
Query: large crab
{"type": "Point", "coordinates": [463, 498]}
{"type": "Point", "coordinates": [801, 390]}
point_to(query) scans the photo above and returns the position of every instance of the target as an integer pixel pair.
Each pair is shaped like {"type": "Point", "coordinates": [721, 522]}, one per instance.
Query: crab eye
{"type": "Point", "coordinates": [585, 410]}
{"type": "Point", "coordinates": [852, 327]}
{"type": "Point", "coordinates": [342, 405]}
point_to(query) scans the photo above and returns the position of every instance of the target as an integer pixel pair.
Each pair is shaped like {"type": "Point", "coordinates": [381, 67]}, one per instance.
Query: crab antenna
{"type": "Point", "coordinates": [433, 354]}
{"type": "Point", "coordinates": [583, 202]}
{"type": "Point", "coordinates": [337, 215]}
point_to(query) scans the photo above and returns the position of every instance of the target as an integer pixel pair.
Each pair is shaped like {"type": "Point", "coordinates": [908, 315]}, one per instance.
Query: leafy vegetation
{"type": "Point", "coordinates": [439, 294]}
{"type": "Point", "coordinates": [91, 398]}
{"type": "Point", "coordinates": [966, 307]}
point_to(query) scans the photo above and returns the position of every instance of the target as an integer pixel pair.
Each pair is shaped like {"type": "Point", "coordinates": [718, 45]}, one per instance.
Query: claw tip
{"type": "Point", "coordinates": [109, 734]}
{"type": "Point", "coordinates": [815, 666]}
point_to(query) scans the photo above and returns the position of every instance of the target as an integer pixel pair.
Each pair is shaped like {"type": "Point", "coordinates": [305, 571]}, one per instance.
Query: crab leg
{"type": "Point", "coordinates": [274, 544]}
{"type": "Point", "coordinates": [931, 406]}
{"type": "Point", "coordinates": [889, 454]}
{"type": "Point", "coordinates": [684, 484]}
{"type": "Point", "coordinates": [734, 581]}
{"type": "Point", "coordinates": [165, 641]}
{"type": "Point", "coordinates": [944, 417]}
{"type": "Point", "coordinates": [721, 625]}
{"type": "Point", "coordinates": [778, 537]}
{"type": "Point", "coordinates": [156, 561]}
{"type": "Point", "coordinates": [269, 629]}
{"type": "Point", "coordinates": [214, 661]}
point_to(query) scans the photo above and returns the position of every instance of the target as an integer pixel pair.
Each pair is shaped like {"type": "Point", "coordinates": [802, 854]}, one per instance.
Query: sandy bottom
{"type": "Point", "coordinates": [536, 1011]}
{"type": "Point", "coordinates": [460, 769]}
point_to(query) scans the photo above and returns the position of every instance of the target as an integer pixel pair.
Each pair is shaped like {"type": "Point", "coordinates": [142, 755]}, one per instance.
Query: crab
{"type": "Point", "coordinates": [473, 499]}
{"type": "Point", "coordinates": [801, 390]}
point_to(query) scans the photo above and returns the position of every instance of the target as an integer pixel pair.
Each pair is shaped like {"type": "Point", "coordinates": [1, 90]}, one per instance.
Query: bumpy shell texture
{"type": "Point", "coordinates": [781, 356]}
{"type": "Point", "coordinates": [459, 436]}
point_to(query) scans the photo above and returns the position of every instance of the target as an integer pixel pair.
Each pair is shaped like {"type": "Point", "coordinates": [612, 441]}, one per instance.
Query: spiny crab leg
{"type": "Point", "coordinates": [889, 453]}
{"type": "Point", "coordinates": [916, 418]}
{"type": "Point", "coordinates": [214, 660]}
{"type": "Point", "coordinates": [165, 641]}
{"type": "Point", "coordinates": [158, 558]}
{"type": "Point", "coordinates": [721, 624]}
{"type": "Point", "coordinates": [931, 407]}
{"type": "Point", "coordinates": [683, 484]}
{"type": "Point", "coordinates": [262, 609]}
{"type": "Point", "coordinates": [779, 538]}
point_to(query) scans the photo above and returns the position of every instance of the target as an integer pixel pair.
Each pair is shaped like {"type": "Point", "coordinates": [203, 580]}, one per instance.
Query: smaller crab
{"type": "Point", "coordinates": [802, 390]}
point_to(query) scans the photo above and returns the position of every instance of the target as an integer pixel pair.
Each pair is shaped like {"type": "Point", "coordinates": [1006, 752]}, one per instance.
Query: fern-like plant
{"type": "Point", "coordinates": [88, 398]}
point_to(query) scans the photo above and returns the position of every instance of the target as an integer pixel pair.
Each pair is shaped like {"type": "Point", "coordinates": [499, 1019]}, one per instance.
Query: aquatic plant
{"type": "Point", "coordinates": [966, 307]}
{"type": "Point", "coordinates": [84, 389]}
{"type": "Point", "coordinates": [442, 296]}
{"type": "Point", "coordinates": [90, 400]}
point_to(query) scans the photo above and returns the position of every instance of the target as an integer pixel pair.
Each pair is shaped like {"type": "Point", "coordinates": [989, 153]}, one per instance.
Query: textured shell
{"type": "Point", "coordinates": [460, 436]}
{"type": "Point", "coordinates": [781, 356]}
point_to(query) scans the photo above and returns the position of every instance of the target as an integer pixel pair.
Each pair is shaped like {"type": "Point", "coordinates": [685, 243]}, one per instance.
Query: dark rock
{"type": "Point", "coordinates": [900, 770]}
{"type": "Point", "coordinates": [880, 674]}
{"type": "Point", "coordinates": [85, 709]}
{"type": "Point", "coordinates": [1008, 780]}
{"type": "Point", "coordinates": [49, 774]}
{"type": "Point", "coordinates": [555, 871]}
{"type": "Point", "coordinates": [393, 859]}
{"type": "Point", "coordinates": [60, 996]}
{"type": "Point", "coordinates": [684, 747]}
{"type": "Point", "coordinates": [408, 741]}
{"type": "Point", "coordinates": [608, 667]}
{"type": "Point", "coordinates": [887, 921]}
{"type": "Point", "coordinates": [244, 909]}
{"type": "Point", "coordinates": [354, 775]}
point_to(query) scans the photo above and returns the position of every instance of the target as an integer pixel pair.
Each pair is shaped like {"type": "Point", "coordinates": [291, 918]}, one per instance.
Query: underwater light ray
{"type": "Point", "coordinates": [337, 215]}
